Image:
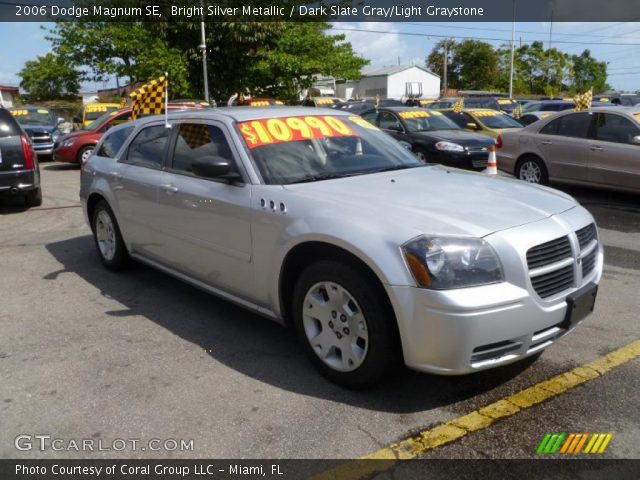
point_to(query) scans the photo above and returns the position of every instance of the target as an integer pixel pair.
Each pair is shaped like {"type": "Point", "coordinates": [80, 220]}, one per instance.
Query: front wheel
{"type": "Point", "coordinates": [106, 233]}
{"type": "Point", "coordinates": [346, 328]}
{"type": "Point", "coordinates": [533, 170]}
{"type": "Point", "coordinates": [422, 155]}
{"type": "Point", "coordinates": [84, 154]}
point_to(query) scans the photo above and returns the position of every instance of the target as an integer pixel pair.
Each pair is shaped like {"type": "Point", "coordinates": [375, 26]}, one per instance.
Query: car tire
{"type": "Point", "coordinates": [422, 154]}
{"type": "Point", "coordinates": [34, 198]}
{"type": "Point", "coordinates": [108, 239]}
{"type": "Point", "coordinates": [84, 153]}
{"type": "Point", "coordinates": [533, 170]}
{"type": "Point", "coordinates": [352, 339]}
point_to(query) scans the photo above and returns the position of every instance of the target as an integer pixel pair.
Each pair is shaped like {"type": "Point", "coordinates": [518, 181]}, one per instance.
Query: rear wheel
{"type": "Point", "coordinates": [344, 324]}
{"type": "Point", "coordinates": [106, 233]}
{"type": "Point", "coordinates": [34, 198]}
{"type": "Point", "coordinates": [533, 170]}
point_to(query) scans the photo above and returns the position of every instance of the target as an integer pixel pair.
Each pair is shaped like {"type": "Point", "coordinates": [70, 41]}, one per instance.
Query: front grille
{"type": "Point", "coordinates": [589, 262]}
{"type": "Point", "coordinates": [548, 253]}
{"type": "Point", "coordinates": [41, 138]}
{"type": "Point", "coordinates": [586, 235]}
{"type": "Point", "coordinates": [554, 282]}
{"type": "Point", "coordinates": [479, 156]}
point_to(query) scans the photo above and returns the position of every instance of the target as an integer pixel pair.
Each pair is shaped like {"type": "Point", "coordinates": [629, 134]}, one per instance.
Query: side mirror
{"type": "Point", "coordinates": [395, 128]}
{"type": "Point", "coordinates": [77, 120]}
{"type": "Point", "coordinates": [636, 140]}
{"type": "Point", "coordinates": [472, 126]}
{"type": "Point", "coordinates": [211, 167]}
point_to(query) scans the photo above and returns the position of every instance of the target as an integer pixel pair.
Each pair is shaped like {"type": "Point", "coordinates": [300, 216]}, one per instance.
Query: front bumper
{"type": "Point", "coordinates": [470, 160]}
{"type": "Point", "coordinates": [65, 154]}
{"type": "Point", "coordinates": [454, 332]}
{"type": "Point", "coordinates": [42, 150]}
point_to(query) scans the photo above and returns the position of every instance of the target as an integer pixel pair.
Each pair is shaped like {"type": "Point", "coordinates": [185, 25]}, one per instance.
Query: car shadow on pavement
{"type": "Point", "coordinates": [12, 205]}
{"type": "Point", "coordinates": [60, 166]}
{"type": "Point", "coordinates": [253, 345]}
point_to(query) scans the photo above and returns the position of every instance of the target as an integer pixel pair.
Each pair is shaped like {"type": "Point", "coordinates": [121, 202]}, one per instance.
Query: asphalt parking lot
{"type": "Point", "coordinates": [89, 354]}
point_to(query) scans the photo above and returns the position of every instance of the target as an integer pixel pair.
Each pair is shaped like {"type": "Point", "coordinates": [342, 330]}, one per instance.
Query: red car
{"type": "Point", "coordinates": [76, 147]}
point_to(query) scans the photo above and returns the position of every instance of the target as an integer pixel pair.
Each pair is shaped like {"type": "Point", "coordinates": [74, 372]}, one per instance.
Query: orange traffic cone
{"type": "Point", "coordinates": [492, 163]}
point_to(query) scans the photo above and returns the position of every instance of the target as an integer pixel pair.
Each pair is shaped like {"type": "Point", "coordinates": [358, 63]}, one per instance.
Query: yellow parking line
{"type": "Point", "coordinates": [426, 440]}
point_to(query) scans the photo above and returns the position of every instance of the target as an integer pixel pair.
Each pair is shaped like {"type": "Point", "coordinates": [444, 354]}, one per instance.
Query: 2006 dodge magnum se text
{"type": "Point", "coordinates": [324, 222]}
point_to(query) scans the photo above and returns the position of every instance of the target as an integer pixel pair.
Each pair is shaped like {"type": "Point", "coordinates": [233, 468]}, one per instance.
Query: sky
{"type": "Point", "coordinates": [617, 43]}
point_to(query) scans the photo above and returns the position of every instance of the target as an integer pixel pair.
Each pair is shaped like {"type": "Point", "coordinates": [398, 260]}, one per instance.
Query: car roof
{"type": "Point", "coordinates": [243, 114]}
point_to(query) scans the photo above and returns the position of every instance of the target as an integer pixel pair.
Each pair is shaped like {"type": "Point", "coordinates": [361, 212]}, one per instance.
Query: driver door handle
{"type": "Point", "coordinates": [547, 142]}
{"type": "Point", "coordinates": [115, 175]}
{"type": "Point", "coordinates": [596, 148]}
{"type": "Point", "coordinates": [168, 188]}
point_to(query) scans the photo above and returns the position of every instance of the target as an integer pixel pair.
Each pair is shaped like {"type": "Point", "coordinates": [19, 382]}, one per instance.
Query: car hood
{"type": "Point", "coordinates": [76, 134]}
{"type": "Point", "coordinates": [31, 129]}
{"type": "Point", "coordinates": [461, 137]}
{"type": "Point", "coordinates": [435, 199]}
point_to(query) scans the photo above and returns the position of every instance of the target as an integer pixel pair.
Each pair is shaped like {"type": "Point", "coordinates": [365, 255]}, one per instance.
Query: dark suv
{"type": "Point", "coordinates": [19, 170]}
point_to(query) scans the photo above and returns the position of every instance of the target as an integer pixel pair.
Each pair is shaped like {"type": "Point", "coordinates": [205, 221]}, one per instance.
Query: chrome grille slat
{"type": "Point", "coordinates": [586, 235]}
{"type": "Point", "coordinates": [549, 252]}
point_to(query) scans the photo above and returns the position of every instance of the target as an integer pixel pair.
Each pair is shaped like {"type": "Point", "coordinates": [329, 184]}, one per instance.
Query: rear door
{"type": "Point", "coordinates": [614, 159]}
{"type": "Point", "coordinates": [11, 156]}
{"type": "Point", "coordinates": [134, 181]}
{"type": "Point", "coordinates": [564, 146]}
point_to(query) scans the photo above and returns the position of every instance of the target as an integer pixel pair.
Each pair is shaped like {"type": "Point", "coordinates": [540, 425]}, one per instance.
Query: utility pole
{"type": "Point", "coordinates": [445, 58]}
{"type": "Point", "coordinates": [203, 47]}
{"type": "Point", "coordinates": [513, 49]}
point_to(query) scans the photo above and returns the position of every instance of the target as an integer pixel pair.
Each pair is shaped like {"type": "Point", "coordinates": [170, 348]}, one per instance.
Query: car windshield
{"type": "Point", "coordinates": [312, 148]}
{"type": "Point", "coordinates": [41, 116]}
{"type": "Point", "coordinates": [95, 112]}
{"type": "Point", "coordinates": [480, 103]}
{"type": "Point", "coordinates": [493, 119]}
{"type": "Point", "coordinates": [425, 121]}
{"type": "Point", "coordinates": [98, 121]}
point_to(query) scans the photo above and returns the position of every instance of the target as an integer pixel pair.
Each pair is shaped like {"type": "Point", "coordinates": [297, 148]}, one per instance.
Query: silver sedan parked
{"type": "Point", "coordinates": [321, 221]}
{"type": "Point", "coordinates": [599, 148]}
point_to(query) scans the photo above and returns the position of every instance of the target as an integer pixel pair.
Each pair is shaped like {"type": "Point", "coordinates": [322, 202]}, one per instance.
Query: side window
{"type": "Point", "coordinates": [389, 121]}
{"type": "Point", "coordinates": [615, 128]}
{"type": "Point", "coordinates": [370, 117]}
{"type": "Point", "coordinates": [123, 117]}
{"type": "Point", "coordinates": [196, 141]}
{"type": "Point", "coordinates": [576, 125]}
{"type": "Point", "coordinates": [147, 149]}
{"type": "Point", "coordinates": [112, 144]}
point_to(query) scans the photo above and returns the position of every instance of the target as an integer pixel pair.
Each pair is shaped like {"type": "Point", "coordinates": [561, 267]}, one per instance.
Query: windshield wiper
{"type": "Point", "coordinates": [326, 176]}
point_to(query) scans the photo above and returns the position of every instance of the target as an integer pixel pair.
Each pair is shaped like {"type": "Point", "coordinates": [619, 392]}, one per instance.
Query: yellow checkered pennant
{"type": "Point", "coordinates": [517, 112]}
{"type": "Point", "coordinates": [458, 106]}
{"type": "Point", "coordinates": [194, 135]}
{"type": "Point", "coordinates": [149, 98]}
{"type": "Point", "coordinates": [583, 100]}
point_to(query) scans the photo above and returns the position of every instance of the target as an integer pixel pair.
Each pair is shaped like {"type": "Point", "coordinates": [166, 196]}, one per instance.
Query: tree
{"type": "Point", "coordinates": [588, 73]}
{"type": "Point", "coordinates": [302, 51]}
{"type": "Point", "coordinates": [49, 78]}
{"type": "Point", "coordinates": [476, 65]}
{"type": "Point", "coordinates": [435, 62]}
{"type": "Point", "coordinates": [102, 49]}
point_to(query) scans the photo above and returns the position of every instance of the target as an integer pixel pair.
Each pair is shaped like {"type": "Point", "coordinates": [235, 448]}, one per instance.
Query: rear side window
{"type": "Point", "coordinates": [114, 141]}
{"type": "Point", "coordinates": [576, 125]}
{"type": "Point", "coordinates": [615, 128]}
{"type": "Point", "coordinates": [389, 121]}
{"type": "Point", "coordinates": [147, 149]}
{"type": "Point", "coordinates": [8, 126]}
{"type": "Point", "coordinates": [461, 119]}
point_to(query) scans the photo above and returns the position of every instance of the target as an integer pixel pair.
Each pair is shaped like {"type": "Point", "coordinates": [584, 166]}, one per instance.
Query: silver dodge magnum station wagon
{"type": "Point", "coordinates": [321, 221]}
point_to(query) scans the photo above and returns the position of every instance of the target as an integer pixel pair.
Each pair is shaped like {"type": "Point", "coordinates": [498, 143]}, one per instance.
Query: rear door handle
{"type": "Point", "coordinates": [115, 175]}
{"type": "Point", "coordinates": [547, 142]}
{"type": "Point", "coordinates": [168, 188]}
{"type": "Point", "coordinates": [595, 148]}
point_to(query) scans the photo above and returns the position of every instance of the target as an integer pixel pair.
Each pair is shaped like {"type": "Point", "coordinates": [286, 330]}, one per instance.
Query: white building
{"type": "Point", "coordinates": [399, 82]}
{"type": "Point", "coordinates": [8, 95]}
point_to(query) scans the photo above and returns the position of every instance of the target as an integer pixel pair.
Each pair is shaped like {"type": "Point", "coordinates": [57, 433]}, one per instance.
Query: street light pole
{"type": "Point", "coordinates": [203, 47]}
{"type": "Point", "coordinates": [513, 48]}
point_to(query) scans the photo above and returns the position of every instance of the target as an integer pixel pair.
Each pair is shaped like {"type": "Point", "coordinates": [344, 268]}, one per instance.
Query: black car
{"type": "Point", "coordinates": [360, 106]}
{"type": "Point", "coordinates": [19, 170]}
{"type": "Point", "coordinates": [624, 99]}
{"type": "Point", "coordinates": [433, 137]}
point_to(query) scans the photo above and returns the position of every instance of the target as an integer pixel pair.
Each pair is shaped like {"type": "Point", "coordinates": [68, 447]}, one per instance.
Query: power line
{"type": "Point", "coordinates": [506, 40]}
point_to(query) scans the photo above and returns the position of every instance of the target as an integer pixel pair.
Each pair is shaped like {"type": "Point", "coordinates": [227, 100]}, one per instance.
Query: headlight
{"type": "Point", "coordinates": [55, 135]}
{"type": "Point", "coordinates": [68, 143]}
{"type": "Point", "coordinates": [449, 147]}
{"type": "Point", "coordinates": [452, 262]}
